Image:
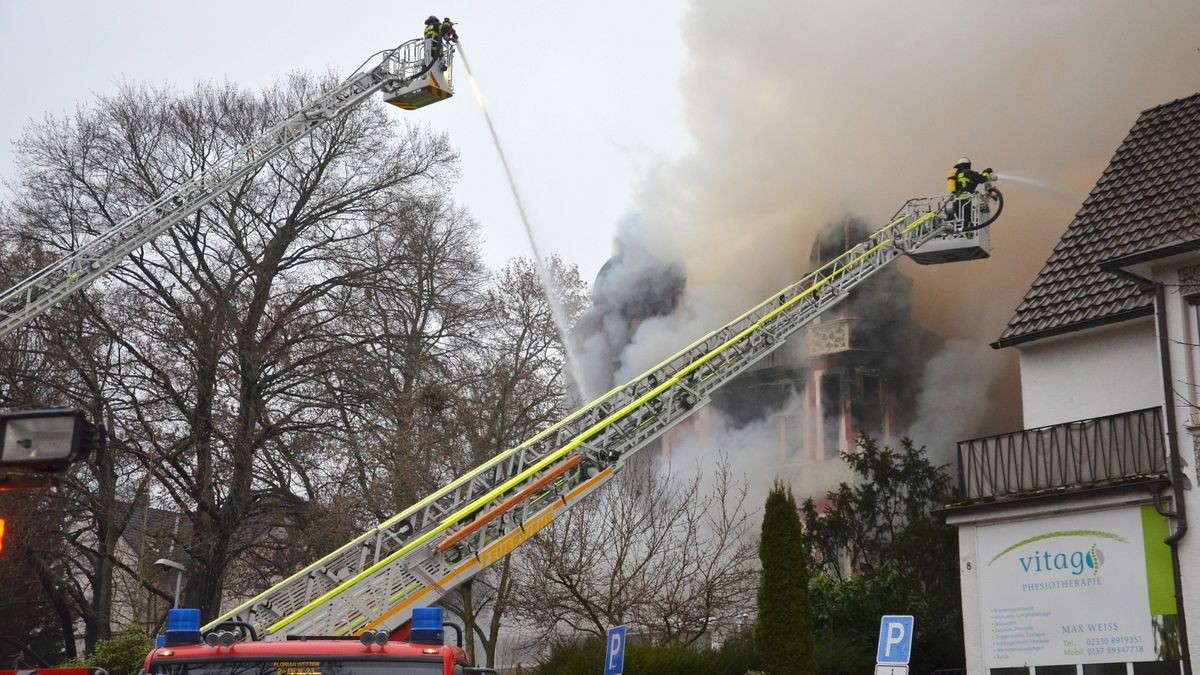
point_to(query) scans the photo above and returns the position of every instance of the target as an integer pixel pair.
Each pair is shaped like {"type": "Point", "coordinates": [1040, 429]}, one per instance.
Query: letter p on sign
{"type": "Point", "coordinates": [614, 653]}
{"type": "Point", "coordinates": [895, 640]}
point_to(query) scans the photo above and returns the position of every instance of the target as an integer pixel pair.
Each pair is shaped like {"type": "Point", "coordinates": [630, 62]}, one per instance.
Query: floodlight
{"type": "Point", "coordinates": [45, 440]}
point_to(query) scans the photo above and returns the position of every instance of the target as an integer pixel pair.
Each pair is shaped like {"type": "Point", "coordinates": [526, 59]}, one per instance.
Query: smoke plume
{"type": "Point", "coordinates": [803, 111]}
{"type": "Point", "coordinates": [639, 281]}
{"type": "Point", "coordinates": [953, 396]}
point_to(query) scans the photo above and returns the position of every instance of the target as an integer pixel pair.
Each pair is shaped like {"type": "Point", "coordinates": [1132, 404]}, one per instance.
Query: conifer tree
{"type": "Point", "coordinates": [783, 629]}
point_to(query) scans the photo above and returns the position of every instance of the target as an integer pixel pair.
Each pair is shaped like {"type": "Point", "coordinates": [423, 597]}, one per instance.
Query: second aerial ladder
{"type": "Point", "coordinates": [408, 75]}
{"type": "Point", "coordinates": [415, 557]}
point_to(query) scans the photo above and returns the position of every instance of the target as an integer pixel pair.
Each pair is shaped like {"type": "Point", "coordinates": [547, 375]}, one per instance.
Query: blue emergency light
{"type": "Point", "coordinates": [183, 627]}
{"type": "Point", "coordinates": [427, 626]}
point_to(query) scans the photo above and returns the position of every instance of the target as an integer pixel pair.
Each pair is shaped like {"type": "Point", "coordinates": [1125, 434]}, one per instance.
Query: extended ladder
{"type": "Point", "coordinates": [36, 294]}
{"type": "Point", "coordinates": [418, 555]}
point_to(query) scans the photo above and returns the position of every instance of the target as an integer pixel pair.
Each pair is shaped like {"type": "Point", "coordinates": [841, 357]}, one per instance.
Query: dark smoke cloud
{"type": "Point", "coordinates": [804, 111]}
{"type": "Point", "coordinates": [639, 282]}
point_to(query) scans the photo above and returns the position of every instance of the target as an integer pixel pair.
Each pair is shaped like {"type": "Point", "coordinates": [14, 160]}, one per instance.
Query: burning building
{"type": "Point", "coordinates": [854, 371]}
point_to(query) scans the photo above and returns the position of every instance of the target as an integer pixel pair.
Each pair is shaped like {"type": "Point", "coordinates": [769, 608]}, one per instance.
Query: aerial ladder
{"type": "Point", "coordinates": [409, 76]}
{"type": "Point", "coordinates": [414, 558]}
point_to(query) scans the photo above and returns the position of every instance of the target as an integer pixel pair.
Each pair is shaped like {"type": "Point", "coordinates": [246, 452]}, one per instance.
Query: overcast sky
{"type": "Point", "coordinates": [584, 95]}
{"type": "Point", "coordinates": [587, 96]}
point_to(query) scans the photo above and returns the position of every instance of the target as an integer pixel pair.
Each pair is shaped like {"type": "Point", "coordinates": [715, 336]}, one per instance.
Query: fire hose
{"type": "Point", "coordinates": [992, 194]}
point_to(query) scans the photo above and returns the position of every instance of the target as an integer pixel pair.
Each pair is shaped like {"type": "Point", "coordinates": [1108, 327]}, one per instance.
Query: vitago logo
{"type": "Point", "coordinates": [1048, 558]}
{"type": "Point", "coordinates": [1076, 562]}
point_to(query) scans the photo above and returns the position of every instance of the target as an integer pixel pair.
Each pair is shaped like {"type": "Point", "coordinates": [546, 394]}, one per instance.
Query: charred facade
{"type": "Point", "coordinates": [855, 370]}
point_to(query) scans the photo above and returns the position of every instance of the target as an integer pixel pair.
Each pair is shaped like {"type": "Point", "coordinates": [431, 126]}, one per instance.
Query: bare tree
{"type": "Point", "coordinates": [513, 386]}
{"type": "Point", "coordinates": [510, 388]}
{"type": "Point", "coordinates": [63, 362]}
{"type": "Point", "coordinates": [427, 306]}
{"type": "Point", "coordinates": [228, 331]}
{"type": "Point", "coordinates": [33, 607]}
{"type": "Point", "coordinates": [661, 552]}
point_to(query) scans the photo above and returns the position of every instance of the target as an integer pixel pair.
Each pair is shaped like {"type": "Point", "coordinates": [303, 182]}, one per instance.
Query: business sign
{"type": "Point", "coordinates": [614, 652]}
{"type": "Point", "coordinates": [1087, 587]}
{"type": "Point", "coordinates": [895, 640]}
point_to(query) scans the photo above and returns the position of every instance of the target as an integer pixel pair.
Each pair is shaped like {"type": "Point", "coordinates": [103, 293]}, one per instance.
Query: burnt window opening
{"type": "Point", "coordinates": [831, 414]}
{"type": "Point", "coordinates": [868, 408]}
{"type": "Point", "coordinates": [793, 436]}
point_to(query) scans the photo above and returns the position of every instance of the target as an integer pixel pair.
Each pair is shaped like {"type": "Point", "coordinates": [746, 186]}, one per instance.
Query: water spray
{"type": "Point", "coordinates": [548, 288]}
{"type": "Point", "coordinates": [1038, 184]}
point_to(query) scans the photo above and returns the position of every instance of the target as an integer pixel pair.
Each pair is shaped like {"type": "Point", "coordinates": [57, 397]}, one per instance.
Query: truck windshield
{"type": "Point", "coordinates": [299, 667]}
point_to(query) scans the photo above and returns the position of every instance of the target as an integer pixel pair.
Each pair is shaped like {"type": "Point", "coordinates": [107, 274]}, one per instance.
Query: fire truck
{"type": "Point", "coordinates": [225, 652]}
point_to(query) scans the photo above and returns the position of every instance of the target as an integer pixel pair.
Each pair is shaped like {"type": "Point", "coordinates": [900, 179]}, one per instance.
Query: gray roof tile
{"type": "Point", "coordinates": [1148, 197]}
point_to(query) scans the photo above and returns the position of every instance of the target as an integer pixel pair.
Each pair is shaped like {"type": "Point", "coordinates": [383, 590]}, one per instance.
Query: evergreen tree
{"type": "Point", "coordinates": [783, 630]}
{"type": "Point", "coordinates": [877, 547]}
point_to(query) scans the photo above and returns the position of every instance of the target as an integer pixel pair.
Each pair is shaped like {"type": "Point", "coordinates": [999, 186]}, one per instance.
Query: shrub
{"type": "Point", "coordinates": [586, 657]}
{"type": "Point", "coordinates": [122, 655]}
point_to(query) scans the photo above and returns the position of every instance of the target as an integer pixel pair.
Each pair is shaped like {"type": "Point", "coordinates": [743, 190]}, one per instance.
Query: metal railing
{"type": "Point", "coordinates": [1075, 454]}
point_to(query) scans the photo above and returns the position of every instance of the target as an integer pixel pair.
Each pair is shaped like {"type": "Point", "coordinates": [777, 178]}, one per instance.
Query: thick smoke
{"type": "Point", "coordinates": [643, 309]}
{"type": "Point", "coordinates": [638, 282]}
{"type": "Point", "coordinates": [953, 396]}
{"type": "Point", "coordinates": [803, 111]}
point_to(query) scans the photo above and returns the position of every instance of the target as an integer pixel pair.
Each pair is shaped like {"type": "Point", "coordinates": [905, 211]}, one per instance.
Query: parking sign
{"type": "Point", "coordinates": [614, 652]}
{"type": "Point", "coordinates": [895, 640]}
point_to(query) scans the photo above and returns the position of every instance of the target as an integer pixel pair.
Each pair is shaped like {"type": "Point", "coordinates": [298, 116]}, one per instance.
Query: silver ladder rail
{"type": "Point", "coordinates": [419, 554]}
{"type": "Point", "coordinates": [44, 289]}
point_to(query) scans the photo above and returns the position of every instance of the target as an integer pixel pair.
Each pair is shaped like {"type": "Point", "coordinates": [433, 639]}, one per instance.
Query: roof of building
{"type": "Point", "coordinates": [152, 531]}
{"type": "Point", "coordinates": [1148, 198]}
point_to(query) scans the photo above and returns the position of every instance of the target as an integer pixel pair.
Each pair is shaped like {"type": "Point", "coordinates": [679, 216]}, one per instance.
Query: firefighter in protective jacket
{"type": "Point", "coordinates": [433, 33]}
{"type": "Point", "coordinates": [962, 183]}
{"type": "Point", "coordinates": [448, 32]}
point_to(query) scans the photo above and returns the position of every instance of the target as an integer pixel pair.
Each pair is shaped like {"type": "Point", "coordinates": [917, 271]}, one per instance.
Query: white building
{"type": "Point", "coordinates": [1074, 548]}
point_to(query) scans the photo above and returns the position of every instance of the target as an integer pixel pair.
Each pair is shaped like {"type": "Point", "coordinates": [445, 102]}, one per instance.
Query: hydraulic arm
{"type": "Point", "coordinates": [415, 557]}
{"type": "Point", "coordinates": [400, 72]}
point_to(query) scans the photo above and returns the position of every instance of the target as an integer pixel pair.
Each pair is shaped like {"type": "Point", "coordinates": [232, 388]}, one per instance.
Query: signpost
{"type": "Point", "coordinates": [614, 653]}
{"type": "Point", "coordinates": [895, 645]}
{"type": "Point", "coordinates": [1085, 587]}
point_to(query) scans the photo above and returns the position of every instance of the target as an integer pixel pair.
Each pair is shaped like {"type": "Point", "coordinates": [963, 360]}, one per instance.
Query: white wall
{"type": "Point", "coordinates": [1183, 333]}
{"type": "Point", "coordinates": [968, 564]}
{"type": "Point", "coordinates": [1114, 369]}
{"type": "Point", "coordinates": [1090, 373]}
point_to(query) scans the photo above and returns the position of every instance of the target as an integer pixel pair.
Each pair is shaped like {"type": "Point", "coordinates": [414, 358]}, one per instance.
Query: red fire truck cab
{"type": "Point", "coordinates": [372, 653]}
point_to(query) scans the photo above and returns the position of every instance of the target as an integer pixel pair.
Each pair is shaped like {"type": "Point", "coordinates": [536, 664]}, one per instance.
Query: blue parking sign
{"type": "Point", "coordinates": [895, 640]}
{"type": "Point", "coordinates": [614, 652]}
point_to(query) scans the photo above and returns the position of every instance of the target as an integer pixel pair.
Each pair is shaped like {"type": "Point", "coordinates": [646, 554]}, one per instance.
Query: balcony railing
{"type": "Point", "coordinates": [1075, 454]}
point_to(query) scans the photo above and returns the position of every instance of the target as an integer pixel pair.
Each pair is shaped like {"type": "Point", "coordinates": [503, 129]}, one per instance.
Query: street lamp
{"type": "Point", "coordinates": [45, 440]}
{"type": "Point", "coordinates": [179, 569]}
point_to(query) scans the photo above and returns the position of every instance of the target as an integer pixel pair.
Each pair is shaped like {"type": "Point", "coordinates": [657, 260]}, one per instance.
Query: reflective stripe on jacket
{"type": "Point", "coordinates": [965, 180]}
